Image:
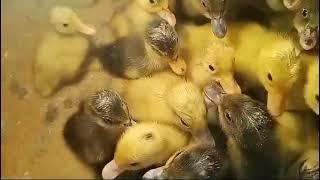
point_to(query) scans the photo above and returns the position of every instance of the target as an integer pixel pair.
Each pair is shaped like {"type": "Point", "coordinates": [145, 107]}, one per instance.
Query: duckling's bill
{"type": "Point", "coordinates": [167, 15]}
{"type": "Point", "coordinates": [292, 4]}
{"type": "Point", "coordinates": [154, 173]}
{"type": "Point", "coordinates": [179, 66]}
{"type": "Point", "coordinates": [219, 26]}
{"type": "Point", "coordinates": [276, 103]}
{"type": "Point", "coordinates": [111, 170]}
{"type": "Point", "coordinates": [83, 28]}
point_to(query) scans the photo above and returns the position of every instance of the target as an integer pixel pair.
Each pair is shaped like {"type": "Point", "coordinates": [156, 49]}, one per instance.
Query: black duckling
{"type": "Point", "coordinates": [139, 55]}
{"type": "Point", "coordinates": [93, 131]}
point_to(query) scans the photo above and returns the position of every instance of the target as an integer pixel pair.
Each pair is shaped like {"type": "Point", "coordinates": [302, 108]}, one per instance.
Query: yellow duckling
{"type": "Point", "coordinates": [266, 58]}
{"type": "Point", "coordinates": [166, 98]}
{"type": "Point", "coordinates": [137, 13]}
{"type": "Point", "coordinates": [61, 52]}
{"type": "Point", "coordinates": [209, 58]}
{"type": "Point", "coordinates": [305, 92]}
{"type": "Point", "coordinates": [144, 145]}
{"type": "Point", "coordinates": [297, 131]}
{"type": "Point", "coordinates": [311, 88]}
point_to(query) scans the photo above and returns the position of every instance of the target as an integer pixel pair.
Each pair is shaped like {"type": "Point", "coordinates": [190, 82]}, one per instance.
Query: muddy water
{"type": "Point", "coordinates": [32, 144]}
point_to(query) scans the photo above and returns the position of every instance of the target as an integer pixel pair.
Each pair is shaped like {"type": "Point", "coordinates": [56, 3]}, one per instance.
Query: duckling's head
{"type": "Point", "coordinates": [108, 106]}
{"type": "Point", "coordinates": [311, 89]}
{"type": "Point", "coordinates": [139, 147]}
{"type": "Point", "coordinates": [163, 40]}
{"type": "Point", "coordinates": [217, 64]}
{"type": "Point", "coordinates": [279, 68]}
{"type": "Point", "coordinates": [66, 21]}
{"type": "Point", "coordinates": [200, 161]}
{"type": "Point", "coordinates": [188, 104]}
{"type": "Point", "coordinates": [161, 7]}
{"type": "Point", "coordinates": [245, 120]}
{"type": "Point", "coordinates": [215, 10]}
{"type": "Point", "coordinates": [306, 22]}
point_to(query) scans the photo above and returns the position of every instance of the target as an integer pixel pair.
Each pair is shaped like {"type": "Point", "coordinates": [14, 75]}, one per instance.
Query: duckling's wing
{"type": "Point", "coordinates": [122, 54]}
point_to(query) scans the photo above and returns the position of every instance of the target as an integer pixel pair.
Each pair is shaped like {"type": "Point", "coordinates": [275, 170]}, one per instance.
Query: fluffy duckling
{"type": "Point", "coordinates": [138, 56]}
{"type": "Point", "coordinates": [166, 98]}
{"type": "Point", "coordinates": [306, 22]}
{"type": "Point", "coordinates": [199, 161]}
{"type": "Point", "coordinates": [93, 131]}
{"type": "Point", "coordinates": [210, 59]}
{"type": "Point", "coordinates": [311, 88]}
{"type": "Point", "coordinates": [265, 58]}
{"type": "Point", "coordinates": [144, 145]}
{"type": "Point", "coordinates": [137, 14]}
{"type": "Point", "coordinates": [62, 52]}
{"type": "Point", "coordinates": [305, 92]}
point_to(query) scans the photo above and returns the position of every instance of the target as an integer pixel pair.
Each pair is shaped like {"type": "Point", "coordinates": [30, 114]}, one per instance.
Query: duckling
{"type": "Point", "coordinates": [138, 56]}
{"type": "Point", "coordinates": [250, 142]}
{"type": "Point", "coordinates": [144, 145]}
{"type": "Point", "coordinates": [62, 52]}
{"type": "Point", "coordinates": [93, 131]}
{"type": "Point", "coordinates": [137, 14]}
{"type": "Point", "coordinates": [311, 88]}
{"type": "Point", "coordinates": [166, 98]}
{"type": "Point", "coordinates": [274, 64]}
{"type": "Point", "coordinates": [209, 59]}
{"type": "Point", "coordinates": [306, 22]}
{"type": "Point", "coordinates": [199, 161]}
{"type": "Point", "coordinates": [305, 90]}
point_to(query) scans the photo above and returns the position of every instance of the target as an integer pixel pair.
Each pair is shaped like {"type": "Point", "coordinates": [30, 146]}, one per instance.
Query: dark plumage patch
{"type": "Point", "coordinates": [122, 54]}
{"type": "Point", "coordinates": [162, 37]}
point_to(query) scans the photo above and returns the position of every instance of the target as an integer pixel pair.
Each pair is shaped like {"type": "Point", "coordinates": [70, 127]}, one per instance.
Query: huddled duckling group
{"type": "Point", "coordinates": [151, 121]}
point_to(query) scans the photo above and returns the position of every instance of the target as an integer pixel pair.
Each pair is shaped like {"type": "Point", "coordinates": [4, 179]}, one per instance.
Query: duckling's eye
{"type": "Point", "coordinates": [269, 77]}
{"type": "Point", "coordinates": [184, 123]}
{"type": "Point", "coordinates": [204, 4]}
{"type": "Point", "coordinates": [317, 97]}
{"type": "Point", "coordinates": [148, 136]}
{"type": "Point", "coordinates": [152, 1]}
{"type": "Point", "coordinates": [304, 13]}
{"type": "Point", "coordinates": [134, 164]}
{"type": "Point", "coordinates": [65, 25]}
{"type": "Point", "coordinates": [211, 68]}
{"type": "Point", "coordinates": [227, 115]}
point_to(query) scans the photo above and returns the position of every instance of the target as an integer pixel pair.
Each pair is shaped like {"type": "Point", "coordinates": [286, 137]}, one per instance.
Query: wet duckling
{"type": "Point", "coordinates": [93, 131]}
{"type": "Point", "coordinates": [306, 22]}
{"type": "Point", "coordinates": [138, 56]}
{"type": "Point", "coordinates": [144, 145]}
{"type": "Point", "coordinates": [62, 52]}
{"type": "Point", "coordinates": [199, 161]}
{"type": "Point", "coordinates": [166, 98]}
{"type": "Point", "coordinates": [137, 14]}
{"type": "Point", "coordinates": [210, 58]}
{"type": "Point", "coordinates": [266, 58]}
{"type": "Point", "coordinates": [311, 88]}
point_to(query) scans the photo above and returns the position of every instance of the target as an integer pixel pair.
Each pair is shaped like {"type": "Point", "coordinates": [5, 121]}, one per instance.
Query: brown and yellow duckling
{"type": "Point", "coordinates": [138, 55]}
{"type": "Point", "coordinates": [93, 131]}
{"type": "Point", "coordinates": [62, 52]}
{"type": "Point", "coordinates": [144, 145]}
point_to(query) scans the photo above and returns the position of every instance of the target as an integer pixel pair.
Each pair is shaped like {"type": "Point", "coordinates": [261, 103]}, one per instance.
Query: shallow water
{"type": "Point", "coordinates": [32, 144]}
